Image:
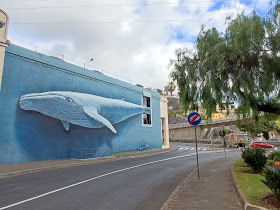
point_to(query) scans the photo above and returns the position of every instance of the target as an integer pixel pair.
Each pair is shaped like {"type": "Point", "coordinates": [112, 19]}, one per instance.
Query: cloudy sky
{"type": "Point", "coordinates": [134, 39]}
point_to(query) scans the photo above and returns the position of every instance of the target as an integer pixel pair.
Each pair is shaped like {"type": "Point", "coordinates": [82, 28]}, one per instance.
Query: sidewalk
{"type": "Point", "coordinates": [7, 170]}
{"type": "Point", "coordinates": [214, 190]}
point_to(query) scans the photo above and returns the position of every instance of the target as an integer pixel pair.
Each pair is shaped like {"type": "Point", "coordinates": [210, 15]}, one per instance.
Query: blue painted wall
{"type": "Point", "coordinates": [30, 136]}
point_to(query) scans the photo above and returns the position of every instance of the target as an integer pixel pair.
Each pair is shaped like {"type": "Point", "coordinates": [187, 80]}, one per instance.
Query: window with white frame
{"type": "Point", "coordinates": [147, 117]}
{"type": "Point", "coordinates": [146, 101]}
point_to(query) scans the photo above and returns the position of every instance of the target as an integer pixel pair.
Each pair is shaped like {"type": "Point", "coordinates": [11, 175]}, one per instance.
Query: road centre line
{"type": "Point", "coordinates": [88, 180]}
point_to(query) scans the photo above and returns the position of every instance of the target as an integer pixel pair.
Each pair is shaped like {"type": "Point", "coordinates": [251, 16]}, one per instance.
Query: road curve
{"type": "Point", "coordinates": [142, 183]}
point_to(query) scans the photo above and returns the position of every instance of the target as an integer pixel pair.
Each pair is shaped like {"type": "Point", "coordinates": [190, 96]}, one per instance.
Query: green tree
{"type": "Point", "coordinates": [242, 64]}
{"type": "Point", "coordinates": [254, 128]}
{"type": "Point", "coordinates": [170, 88]}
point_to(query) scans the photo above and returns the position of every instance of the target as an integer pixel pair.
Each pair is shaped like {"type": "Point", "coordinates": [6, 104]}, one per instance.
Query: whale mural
{"type": "Point", "coordinates": [86, 110]}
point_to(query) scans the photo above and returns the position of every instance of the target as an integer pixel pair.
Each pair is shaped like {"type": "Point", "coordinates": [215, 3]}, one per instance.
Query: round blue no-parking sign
{"type": "Point", "coordinates": [194, 118]}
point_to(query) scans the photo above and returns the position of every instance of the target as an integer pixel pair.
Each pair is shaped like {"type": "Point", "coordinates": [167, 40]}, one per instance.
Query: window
{"type": "Point", "coordinates": [146, 101]}
{"type": "Point", "coordinates": [147, 117]}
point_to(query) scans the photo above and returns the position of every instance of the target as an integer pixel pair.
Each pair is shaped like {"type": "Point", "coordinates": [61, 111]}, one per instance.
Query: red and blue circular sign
{"type": "Point", "coordinates": [194, 118]}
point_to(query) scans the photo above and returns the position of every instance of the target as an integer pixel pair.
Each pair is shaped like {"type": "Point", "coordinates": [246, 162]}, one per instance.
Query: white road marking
{"type": "Point", "coordinates": [97, 177]}
{"type": "Point", "coordinates": [188, 148]}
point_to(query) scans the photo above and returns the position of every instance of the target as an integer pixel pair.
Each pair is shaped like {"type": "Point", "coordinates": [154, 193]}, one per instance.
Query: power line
{"type": "Point", "coordinates": [112, 22]}
{"type": "Point", "coordinates": [113, 5]}
{"type": "Point", "coordinates": [74, 61]}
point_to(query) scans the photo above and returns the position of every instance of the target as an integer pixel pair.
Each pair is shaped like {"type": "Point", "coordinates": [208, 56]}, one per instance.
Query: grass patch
{"type": "Point", "coordinates": [269, 162]}
{"type": "Point", "coordinates": [250, 184]}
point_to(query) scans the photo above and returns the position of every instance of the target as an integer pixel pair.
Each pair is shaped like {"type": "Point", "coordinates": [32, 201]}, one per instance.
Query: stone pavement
{"type": "Point", "coordinates": [214, 191]}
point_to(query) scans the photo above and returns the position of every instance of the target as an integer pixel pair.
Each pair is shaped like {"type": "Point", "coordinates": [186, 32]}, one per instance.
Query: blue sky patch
{"type": "Point", "coordinates": [217, 6]}
{"type": "Point", "coordinates": [180, 36]}
{"type": "Point", "coordinates": [140, 8]}
{"type": "Point", "coordinates": [261, 12]}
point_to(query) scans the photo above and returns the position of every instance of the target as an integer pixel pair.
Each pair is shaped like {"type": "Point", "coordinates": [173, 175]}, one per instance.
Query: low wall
{"type": "Point", "coordinates": [192, 140]}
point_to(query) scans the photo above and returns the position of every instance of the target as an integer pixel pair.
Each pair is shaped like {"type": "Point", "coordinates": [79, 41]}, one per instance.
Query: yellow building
{"type": "Point", "coordinates": [218, 116]}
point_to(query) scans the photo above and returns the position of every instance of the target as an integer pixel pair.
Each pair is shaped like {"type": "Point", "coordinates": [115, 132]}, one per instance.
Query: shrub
{"type": "Point", "coordinates": [255, 158]}
{"type": "Point", "coordinates": [274, 156]}
{"type": "Point", "coordinates": [272, 176]}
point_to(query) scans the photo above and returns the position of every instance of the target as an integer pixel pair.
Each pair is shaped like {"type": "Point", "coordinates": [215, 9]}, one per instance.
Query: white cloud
{"type": "Point", "coordinates": [138, 51]}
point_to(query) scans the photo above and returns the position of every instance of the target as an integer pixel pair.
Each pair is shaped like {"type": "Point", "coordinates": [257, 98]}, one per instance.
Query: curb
{"type": "Point", "coordinates": [245, 203]}
{"type": "Point", "coordinates": [87, 162]}
{"type": "Point", "coordinates": [34, 170]}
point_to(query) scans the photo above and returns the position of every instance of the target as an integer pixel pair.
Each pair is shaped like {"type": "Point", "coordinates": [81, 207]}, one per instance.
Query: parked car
{"type": "Point", "coordinates": [261, 144]}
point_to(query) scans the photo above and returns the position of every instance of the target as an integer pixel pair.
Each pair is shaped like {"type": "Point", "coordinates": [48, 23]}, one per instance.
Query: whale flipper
{"type": "Point", "coordinates": [92, 112]}
{"type": "Point", "coordinates": [65, 125]}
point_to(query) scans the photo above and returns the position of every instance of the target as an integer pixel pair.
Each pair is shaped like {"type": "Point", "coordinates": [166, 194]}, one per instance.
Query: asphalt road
{"type": "Point", "coordinates": [142, 183]}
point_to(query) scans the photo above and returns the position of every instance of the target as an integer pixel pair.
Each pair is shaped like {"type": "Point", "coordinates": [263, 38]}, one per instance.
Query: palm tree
{"type": "Point", "coordinates": [170, 87]}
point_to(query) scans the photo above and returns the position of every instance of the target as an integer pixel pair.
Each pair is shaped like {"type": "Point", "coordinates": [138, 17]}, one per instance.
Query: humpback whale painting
{"type": "Point", "coordinates": [86, 110]}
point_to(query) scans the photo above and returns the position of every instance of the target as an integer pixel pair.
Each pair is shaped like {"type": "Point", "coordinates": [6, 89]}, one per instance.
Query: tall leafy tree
{"type": "Point", "coordinates": [241, 64]}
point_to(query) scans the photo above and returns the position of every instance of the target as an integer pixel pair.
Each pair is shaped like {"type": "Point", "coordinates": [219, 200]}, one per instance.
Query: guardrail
{"type": "Point", "coordinates": [203, 141]}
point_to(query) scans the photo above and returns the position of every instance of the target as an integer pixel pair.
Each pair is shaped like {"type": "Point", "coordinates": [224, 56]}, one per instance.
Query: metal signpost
{"type": "Point", "coordinates": [222, 134]}
{"type": "Point", "coordinates": [194, 119]}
